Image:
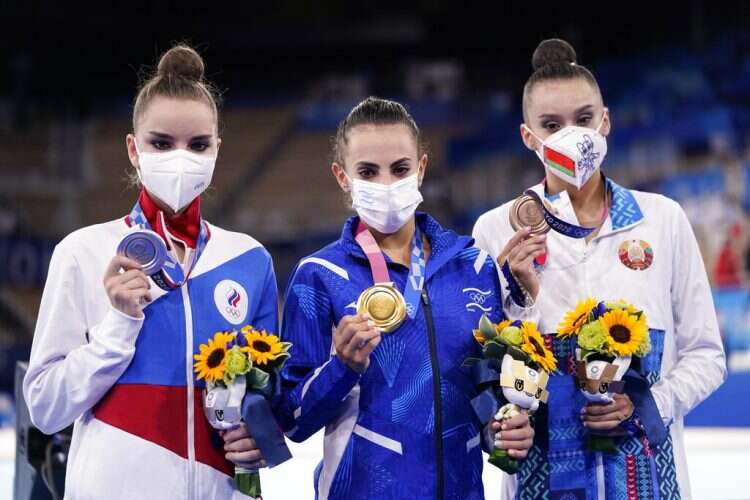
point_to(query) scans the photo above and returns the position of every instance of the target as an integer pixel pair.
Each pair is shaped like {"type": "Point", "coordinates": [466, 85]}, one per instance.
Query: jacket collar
{"type": "Point", "coordinates": [624, 209]}
{"type": "Point", "coordinates": [184, 226]}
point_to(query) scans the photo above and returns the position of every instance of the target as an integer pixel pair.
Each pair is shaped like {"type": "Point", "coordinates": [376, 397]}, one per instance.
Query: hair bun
{"type": "Point", "coordinates": [181, 61]}
{"type": "Point", "coordinates": [552, 52]}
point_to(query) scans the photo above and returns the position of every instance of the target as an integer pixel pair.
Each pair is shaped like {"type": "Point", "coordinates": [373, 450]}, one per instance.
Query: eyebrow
{"type": "Point", "coordinates": [370, 164]}
{"type": "Point", "coordinates": [162, 135]}
{"type": "Point", "coordinates": [583, 108]}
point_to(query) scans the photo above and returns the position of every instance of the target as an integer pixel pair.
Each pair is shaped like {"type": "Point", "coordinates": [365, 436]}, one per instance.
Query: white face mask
{"type": "Point", "coordinates": [386, 208]}
{"type": "Point", "coordinates": [176, 177]}
{"type": "Point", "coordinates": [573, 153]}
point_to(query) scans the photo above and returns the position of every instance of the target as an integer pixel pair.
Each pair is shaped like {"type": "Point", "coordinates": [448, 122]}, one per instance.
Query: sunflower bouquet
{"type": "Point", "coordinates": [608, 335]}
{"type": "Point", "coordinates": [513, 353]}
{"type": "Point", "coordinates": [240, 370]}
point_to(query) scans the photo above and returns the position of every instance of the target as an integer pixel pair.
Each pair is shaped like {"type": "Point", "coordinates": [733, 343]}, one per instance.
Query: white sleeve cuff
{"type": "Point", "coordinates": [526, 313]}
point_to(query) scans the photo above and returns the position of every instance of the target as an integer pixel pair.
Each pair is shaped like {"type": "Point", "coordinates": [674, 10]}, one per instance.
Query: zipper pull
{"type": "Point", "coordinates": [425, 297]}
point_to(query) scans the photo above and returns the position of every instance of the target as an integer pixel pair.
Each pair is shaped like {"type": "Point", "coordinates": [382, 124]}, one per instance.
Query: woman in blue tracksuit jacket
{"type": "Point", "coordinates": [396, 406]}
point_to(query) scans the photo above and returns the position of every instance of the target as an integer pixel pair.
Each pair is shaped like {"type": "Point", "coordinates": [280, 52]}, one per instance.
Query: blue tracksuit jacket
{"type": "Point", "coordinates": [405, 428]}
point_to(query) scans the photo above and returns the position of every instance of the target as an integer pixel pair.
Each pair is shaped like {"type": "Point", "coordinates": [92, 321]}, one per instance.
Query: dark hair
{"type": "Point", "coordinates": [179, 74]}
{"type": "Point", "coordinates": [555, 59]}
{"type": "Point", "coordinates": [373, 111]}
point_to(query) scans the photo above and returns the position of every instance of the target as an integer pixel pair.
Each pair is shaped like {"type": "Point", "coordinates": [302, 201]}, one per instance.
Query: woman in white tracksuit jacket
{"type": "Point", "coordinates": [113, 353]}
{"type": "Point", "coordinates": [642, 250]}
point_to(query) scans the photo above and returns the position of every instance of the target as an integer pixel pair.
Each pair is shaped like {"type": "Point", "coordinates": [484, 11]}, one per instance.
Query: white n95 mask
{"type": "Point", "coordinates": [573, 153]}
{"type": "Point", "coordinates": [176, 177]}
{"type": "Point", "coordinates": [386, 208]}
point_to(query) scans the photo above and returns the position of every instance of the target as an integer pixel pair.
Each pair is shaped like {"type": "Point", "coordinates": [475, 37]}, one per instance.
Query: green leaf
{"type": "Point", "coordinates": [601, 444]}
{"type": "Point", "coordinates": [500, 459]}
{"type": "Point", "coordinates": [257, 379]}
{"type": "Point", "coordinates": [278, 363]}
{"type": "Point", "coordinates": [486, 328]}
{"type": "Point", "coordinates": [518, 354]}
{"type": "Point", "coordinates": [248, 483]}
{"type": "Point", "coordinates": [494, 349]}
{"type": "Point", "coordinates": [585, 353]}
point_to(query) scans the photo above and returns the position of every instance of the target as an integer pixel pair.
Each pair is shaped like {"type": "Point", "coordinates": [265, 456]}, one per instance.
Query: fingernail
{"type": "Point", "coordinates": [370, 323]}
{"type": "Point", "coordinates": [504, 426]}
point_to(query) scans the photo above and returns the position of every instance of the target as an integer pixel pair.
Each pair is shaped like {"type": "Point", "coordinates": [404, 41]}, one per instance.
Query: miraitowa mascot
{"type": "Point", "coordinates": [511, 376]}
{"type": "Point", "coordinates": [599, 378]}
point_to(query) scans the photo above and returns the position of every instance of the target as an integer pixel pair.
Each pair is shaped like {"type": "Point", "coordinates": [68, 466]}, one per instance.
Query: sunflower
{"type": "Point", "coordinates": [262, 346]}
{"type": "Point", "coordinates": [533, 345]}
{"type": "Point", "coordinates": [625, 332]}
{"type": "Point", "coordinates": [575, 319]}
{"type": "Point", "coordinates": [210, 362]}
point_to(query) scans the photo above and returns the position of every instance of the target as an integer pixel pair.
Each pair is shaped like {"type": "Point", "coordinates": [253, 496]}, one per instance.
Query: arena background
{"type": "Point", "coordinates": [676, 78]}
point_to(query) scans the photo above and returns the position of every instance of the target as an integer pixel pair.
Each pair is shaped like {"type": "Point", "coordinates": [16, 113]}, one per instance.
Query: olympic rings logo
{"type": "Point", "coordinates": [232, 311]}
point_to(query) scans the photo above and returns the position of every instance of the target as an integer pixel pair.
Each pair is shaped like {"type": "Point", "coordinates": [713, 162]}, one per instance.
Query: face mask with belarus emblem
{"type": "Point", "coordinates": [573, 153]}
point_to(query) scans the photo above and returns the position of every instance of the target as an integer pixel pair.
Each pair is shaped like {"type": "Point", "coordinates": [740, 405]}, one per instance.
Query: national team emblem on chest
{"type": "Point", "coordinates": [636, 254]}
{"type": "Point", "coordinates": [231, 300]}
{"type": "Point", "coordinates": [476, 299]}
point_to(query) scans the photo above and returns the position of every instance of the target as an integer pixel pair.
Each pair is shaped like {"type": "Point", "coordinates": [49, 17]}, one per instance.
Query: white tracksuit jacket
{"type": "Point", "coordinates": [128, 384]}
{"type": "Point", "coordinates": [687, 362]}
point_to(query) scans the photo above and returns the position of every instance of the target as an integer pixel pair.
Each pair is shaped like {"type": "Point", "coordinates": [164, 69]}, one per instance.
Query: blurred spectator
{"type": "Point", "coordinates": [730, 271]}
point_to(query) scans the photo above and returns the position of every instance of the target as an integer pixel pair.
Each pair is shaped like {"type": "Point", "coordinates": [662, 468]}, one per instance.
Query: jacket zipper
{"type": "Point", "coordinates": [190, 481]}
{"type": "Point", "coordinates": [436, 392]}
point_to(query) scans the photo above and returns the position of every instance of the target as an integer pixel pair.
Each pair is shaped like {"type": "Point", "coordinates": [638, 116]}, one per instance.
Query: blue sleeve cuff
{"type": "Point", "coordinates": [342, 375]}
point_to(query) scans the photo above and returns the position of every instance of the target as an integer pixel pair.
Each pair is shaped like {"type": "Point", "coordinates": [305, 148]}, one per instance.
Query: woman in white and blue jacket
{"type": "Point", "coordinates": [635, 246]}
{"type": "Point", "coordinates": [112, 353]}
{"type": "Point", "coordinates": [396, 406]}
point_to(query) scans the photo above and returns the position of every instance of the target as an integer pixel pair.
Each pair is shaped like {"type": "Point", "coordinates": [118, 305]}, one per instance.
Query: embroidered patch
{"type": "Point", "coordinates": [476, 299]}
{"type": "Point", "coordinates": [636, 254]}
{"type": "Point", "coordinates": [231, 300]}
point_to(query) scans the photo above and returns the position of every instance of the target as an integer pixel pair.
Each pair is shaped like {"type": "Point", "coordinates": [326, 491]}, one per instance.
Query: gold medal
{"type": "Point", "coordinates": [527, 212]}
{"type": "Point", "coordinates": [384, 304]}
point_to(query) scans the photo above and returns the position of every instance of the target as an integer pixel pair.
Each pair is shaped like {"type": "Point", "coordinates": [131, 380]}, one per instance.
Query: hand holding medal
{"type": "Point", "coordinates": [128, 291]}
{"type": "Point", "coordinates": [381, 308]}
{"type": "Point", "coordinates": [517, 258]}
{"type": "Point", "coordinates": [532, 211]}
{"type": "Point", "coordinates": [354, 339]}
{"type": "Point", "coordinates": [383, 303]}
{"type": "Point", "coordinates": [140, 253]}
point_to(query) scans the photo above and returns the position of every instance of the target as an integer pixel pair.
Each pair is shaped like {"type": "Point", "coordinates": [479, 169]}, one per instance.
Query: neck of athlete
{"type": "Point", "coordinates": [587, 201]}
{"type": "Point", "coordinates": [397, 245]}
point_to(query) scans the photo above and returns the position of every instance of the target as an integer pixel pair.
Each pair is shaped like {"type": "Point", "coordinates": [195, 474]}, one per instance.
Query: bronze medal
{"type": "Point", "coordinates": [527, 212]}
{"type": "Point", "coordinates": [384, 304]}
